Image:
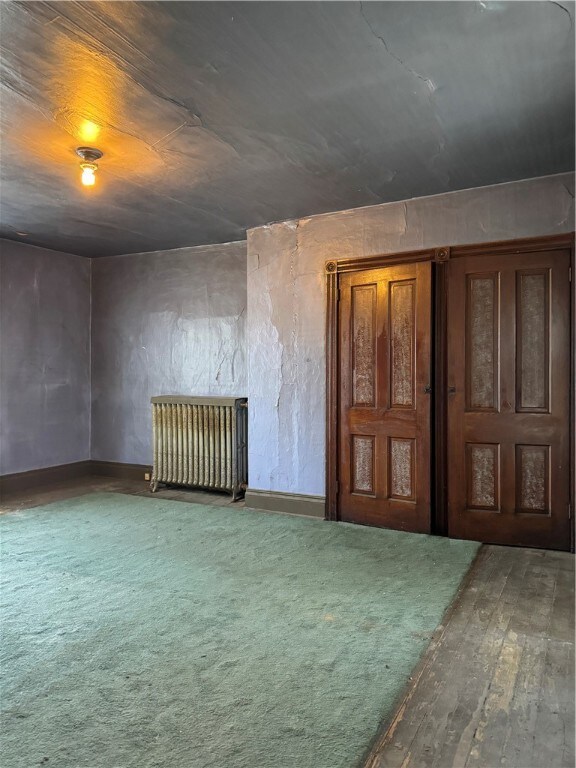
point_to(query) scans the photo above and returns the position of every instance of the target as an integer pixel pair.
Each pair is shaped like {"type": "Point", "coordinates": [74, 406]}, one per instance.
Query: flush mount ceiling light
{"type": "Point", "coordinates": [89, 156]}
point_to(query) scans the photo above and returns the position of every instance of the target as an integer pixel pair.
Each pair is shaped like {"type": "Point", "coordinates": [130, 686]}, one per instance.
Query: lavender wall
{"type": "Point", "coordinates": [44, 358]}
{"type": "Point", "coordinates": [173, 322]}
{"type": "Point", "coordinates": [286, 303]}
{"type": "Point", "coordinates": [168, 322]}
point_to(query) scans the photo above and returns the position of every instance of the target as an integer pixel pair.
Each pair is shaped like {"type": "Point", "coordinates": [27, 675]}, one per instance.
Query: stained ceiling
{"type": "Point", "coordinates": [215, 117]}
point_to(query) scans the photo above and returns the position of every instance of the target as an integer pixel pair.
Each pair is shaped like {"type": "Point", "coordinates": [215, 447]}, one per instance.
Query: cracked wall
{"type": "Point", "coordinates": [167, 322]}
{"type": "Point", "coordinates": [286, 303]}
{"type": "Point", "coordinates": [44, 358]}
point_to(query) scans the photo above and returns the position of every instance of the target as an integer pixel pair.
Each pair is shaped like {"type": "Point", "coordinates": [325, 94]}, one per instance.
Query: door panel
{"type": "Point", "coordinates": [384, 433]}
{"type": "Point", "coordinates": [508, 402]}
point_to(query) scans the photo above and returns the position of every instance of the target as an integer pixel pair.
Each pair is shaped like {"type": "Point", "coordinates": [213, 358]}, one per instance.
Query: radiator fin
{"type": "Point", "coordinates": [200, 442]}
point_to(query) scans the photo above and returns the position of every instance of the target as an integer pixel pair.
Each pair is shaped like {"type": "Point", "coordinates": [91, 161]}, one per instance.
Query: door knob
{"type": "Point", "coordinates": [428, 390]}
{"type": "Point", "coordinates": [451, 390]}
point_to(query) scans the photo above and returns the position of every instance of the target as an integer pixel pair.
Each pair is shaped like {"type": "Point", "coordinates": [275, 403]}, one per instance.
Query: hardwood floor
{"type": "Point", "coordinates": [496, 685]}
{"type": "Point", "coordinates": [37, 497]}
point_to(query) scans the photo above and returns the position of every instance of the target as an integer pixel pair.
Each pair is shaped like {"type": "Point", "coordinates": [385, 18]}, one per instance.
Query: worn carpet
{"type": "Point", "coordinates": [145, 633]}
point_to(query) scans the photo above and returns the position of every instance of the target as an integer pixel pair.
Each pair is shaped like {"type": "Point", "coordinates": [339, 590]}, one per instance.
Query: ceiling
{"type": "Point", "coordinates": [215, 117]}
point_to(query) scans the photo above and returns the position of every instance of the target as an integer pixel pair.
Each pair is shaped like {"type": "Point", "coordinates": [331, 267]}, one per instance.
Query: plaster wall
{"type": "Point", "coordinates": [167, 322]}
{"type": "Point", "coordinates": [44, 358]}
{"type": "Point", "coordinates": [286, 303]}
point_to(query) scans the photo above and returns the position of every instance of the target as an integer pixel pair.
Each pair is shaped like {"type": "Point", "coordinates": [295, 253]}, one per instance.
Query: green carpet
{"type": "Point", "coordinates": [141, 633]}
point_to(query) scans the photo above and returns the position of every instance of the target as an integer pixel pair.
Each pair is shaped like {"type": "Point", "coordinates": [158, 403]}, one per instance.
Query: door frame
{"type": "Point", "coordinates": [439, 421]}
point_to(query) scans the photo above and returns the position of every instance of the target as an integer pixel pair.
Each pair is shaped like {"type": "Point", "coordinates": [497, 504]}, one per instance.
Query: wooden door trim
{"type": "Point", "coordinates": [338, 266]}
{"type": "Point", "coordinates": [524, 245]}
{"type": "Point", "coordinates": [439, 415]}
{"type": "Point", "coordinates": [440, 255]}
{"type": "Point", "coordinates": [573, 394]}
{"type": "Point", "coordinates": [332, 391]}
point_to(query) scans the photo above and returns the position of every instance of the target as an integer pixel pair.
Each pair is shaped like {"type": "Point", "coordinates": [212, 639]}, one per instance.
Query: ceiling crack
{"type": "Point", "coordinates": [171, 133]}
{"type": "Point", "coordinates": [429, 84]}
{"type": "Point", "coordinates": [565, 11]}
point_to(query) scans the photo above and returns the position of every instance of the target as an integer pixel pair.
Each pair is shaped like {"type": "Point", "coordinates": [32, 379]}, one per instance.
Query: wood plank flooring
{"type": "Point", "coordinates": [496, 685]}
{"type": "Point", "coordinates": [37, 497]}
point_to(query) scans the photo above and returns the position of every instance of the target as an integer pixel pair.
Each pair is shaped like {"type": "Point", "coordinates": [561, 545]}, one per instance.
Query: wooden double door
{"type": "Point", "coordinates": [456, 376]}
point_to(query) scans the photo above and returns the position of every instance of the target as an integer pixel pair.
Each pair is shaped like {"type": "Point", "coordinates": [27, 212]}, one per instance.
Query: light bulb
{"type": "Point", "coordinates": [88, 177]}
{"type": "Point", "coordinates": [89, 155]}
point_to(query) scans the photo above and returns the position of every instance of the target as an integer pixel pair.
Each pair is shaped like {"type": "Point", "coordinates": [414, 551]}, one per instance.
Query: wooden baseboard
{"type": "Point", "coordinates": [273, 501]}
{"type": "Point", "coordinates": [23, 481]}
{"type": "Point", "coordinates": [119, 470]}
{"type": "Point", "coordinates": [291, 503]}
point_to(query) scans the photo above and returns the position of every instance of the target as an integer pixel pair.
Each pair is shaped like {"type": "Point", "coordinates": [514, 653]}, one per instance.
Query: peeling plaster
{"type": "Point", "coordinates": [168, 322]}
{"type": "Point", "coordinates": [286, 303]}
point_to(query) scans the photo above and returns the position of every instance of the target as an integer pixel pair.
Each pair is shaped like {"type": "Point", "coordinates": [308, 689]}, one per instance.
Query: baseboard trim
{"type": "Point", "coordinates": [291, 503]}
{"type": "Point", "coordinates": [272, 501]}
{"type": "Point", "coordinates": [119, 470]}
{"type": "Point", "coordinates": [23, 481]}
{"type": "Point", "coordinates": [19, 482]}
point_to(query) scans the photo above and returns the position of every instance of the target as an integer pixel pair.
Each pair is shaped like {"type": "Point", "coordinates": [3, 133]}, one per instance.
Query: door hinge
{"type": "Point", "coordinates": [569, 274]}
{"type": "Point", "coordinates": [338, 294]}
{"type": "Point", "coordinates": [569, 511]}
{"type": "Point", "coordinates": [337, 486]}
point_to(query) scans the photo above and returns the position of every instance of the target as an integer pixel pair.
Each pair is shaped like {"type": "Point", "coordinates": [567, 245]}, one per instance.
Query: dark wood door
{"type": "Point", "coordinates": [508, 399]}
{"type": "Point", "coordinates": [384, 436]}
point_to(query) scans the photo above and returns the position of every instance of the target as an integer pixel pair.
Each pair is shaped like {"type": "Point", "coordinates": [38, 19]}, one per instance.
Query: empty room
{"type": "Point", "coordinates": [287, 384]}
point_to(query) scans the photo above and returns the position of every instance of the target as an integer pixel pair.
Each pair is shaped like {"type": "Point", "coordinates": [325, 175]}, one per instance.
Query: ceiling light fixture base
{"type": "Point", "coordinates": [89, 154]}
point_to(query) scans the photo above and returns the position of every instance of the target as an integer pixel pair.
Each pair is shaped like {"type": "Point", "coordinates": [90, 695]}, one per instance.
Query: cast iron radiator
{"type": "Point", "coordinates": [200, 441]}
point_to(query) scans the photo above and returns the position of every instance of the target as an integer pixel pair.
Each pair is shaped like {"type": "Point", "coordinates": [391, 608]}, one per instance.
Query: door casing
{"type": "Point", "coordinates": [440, 256]}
